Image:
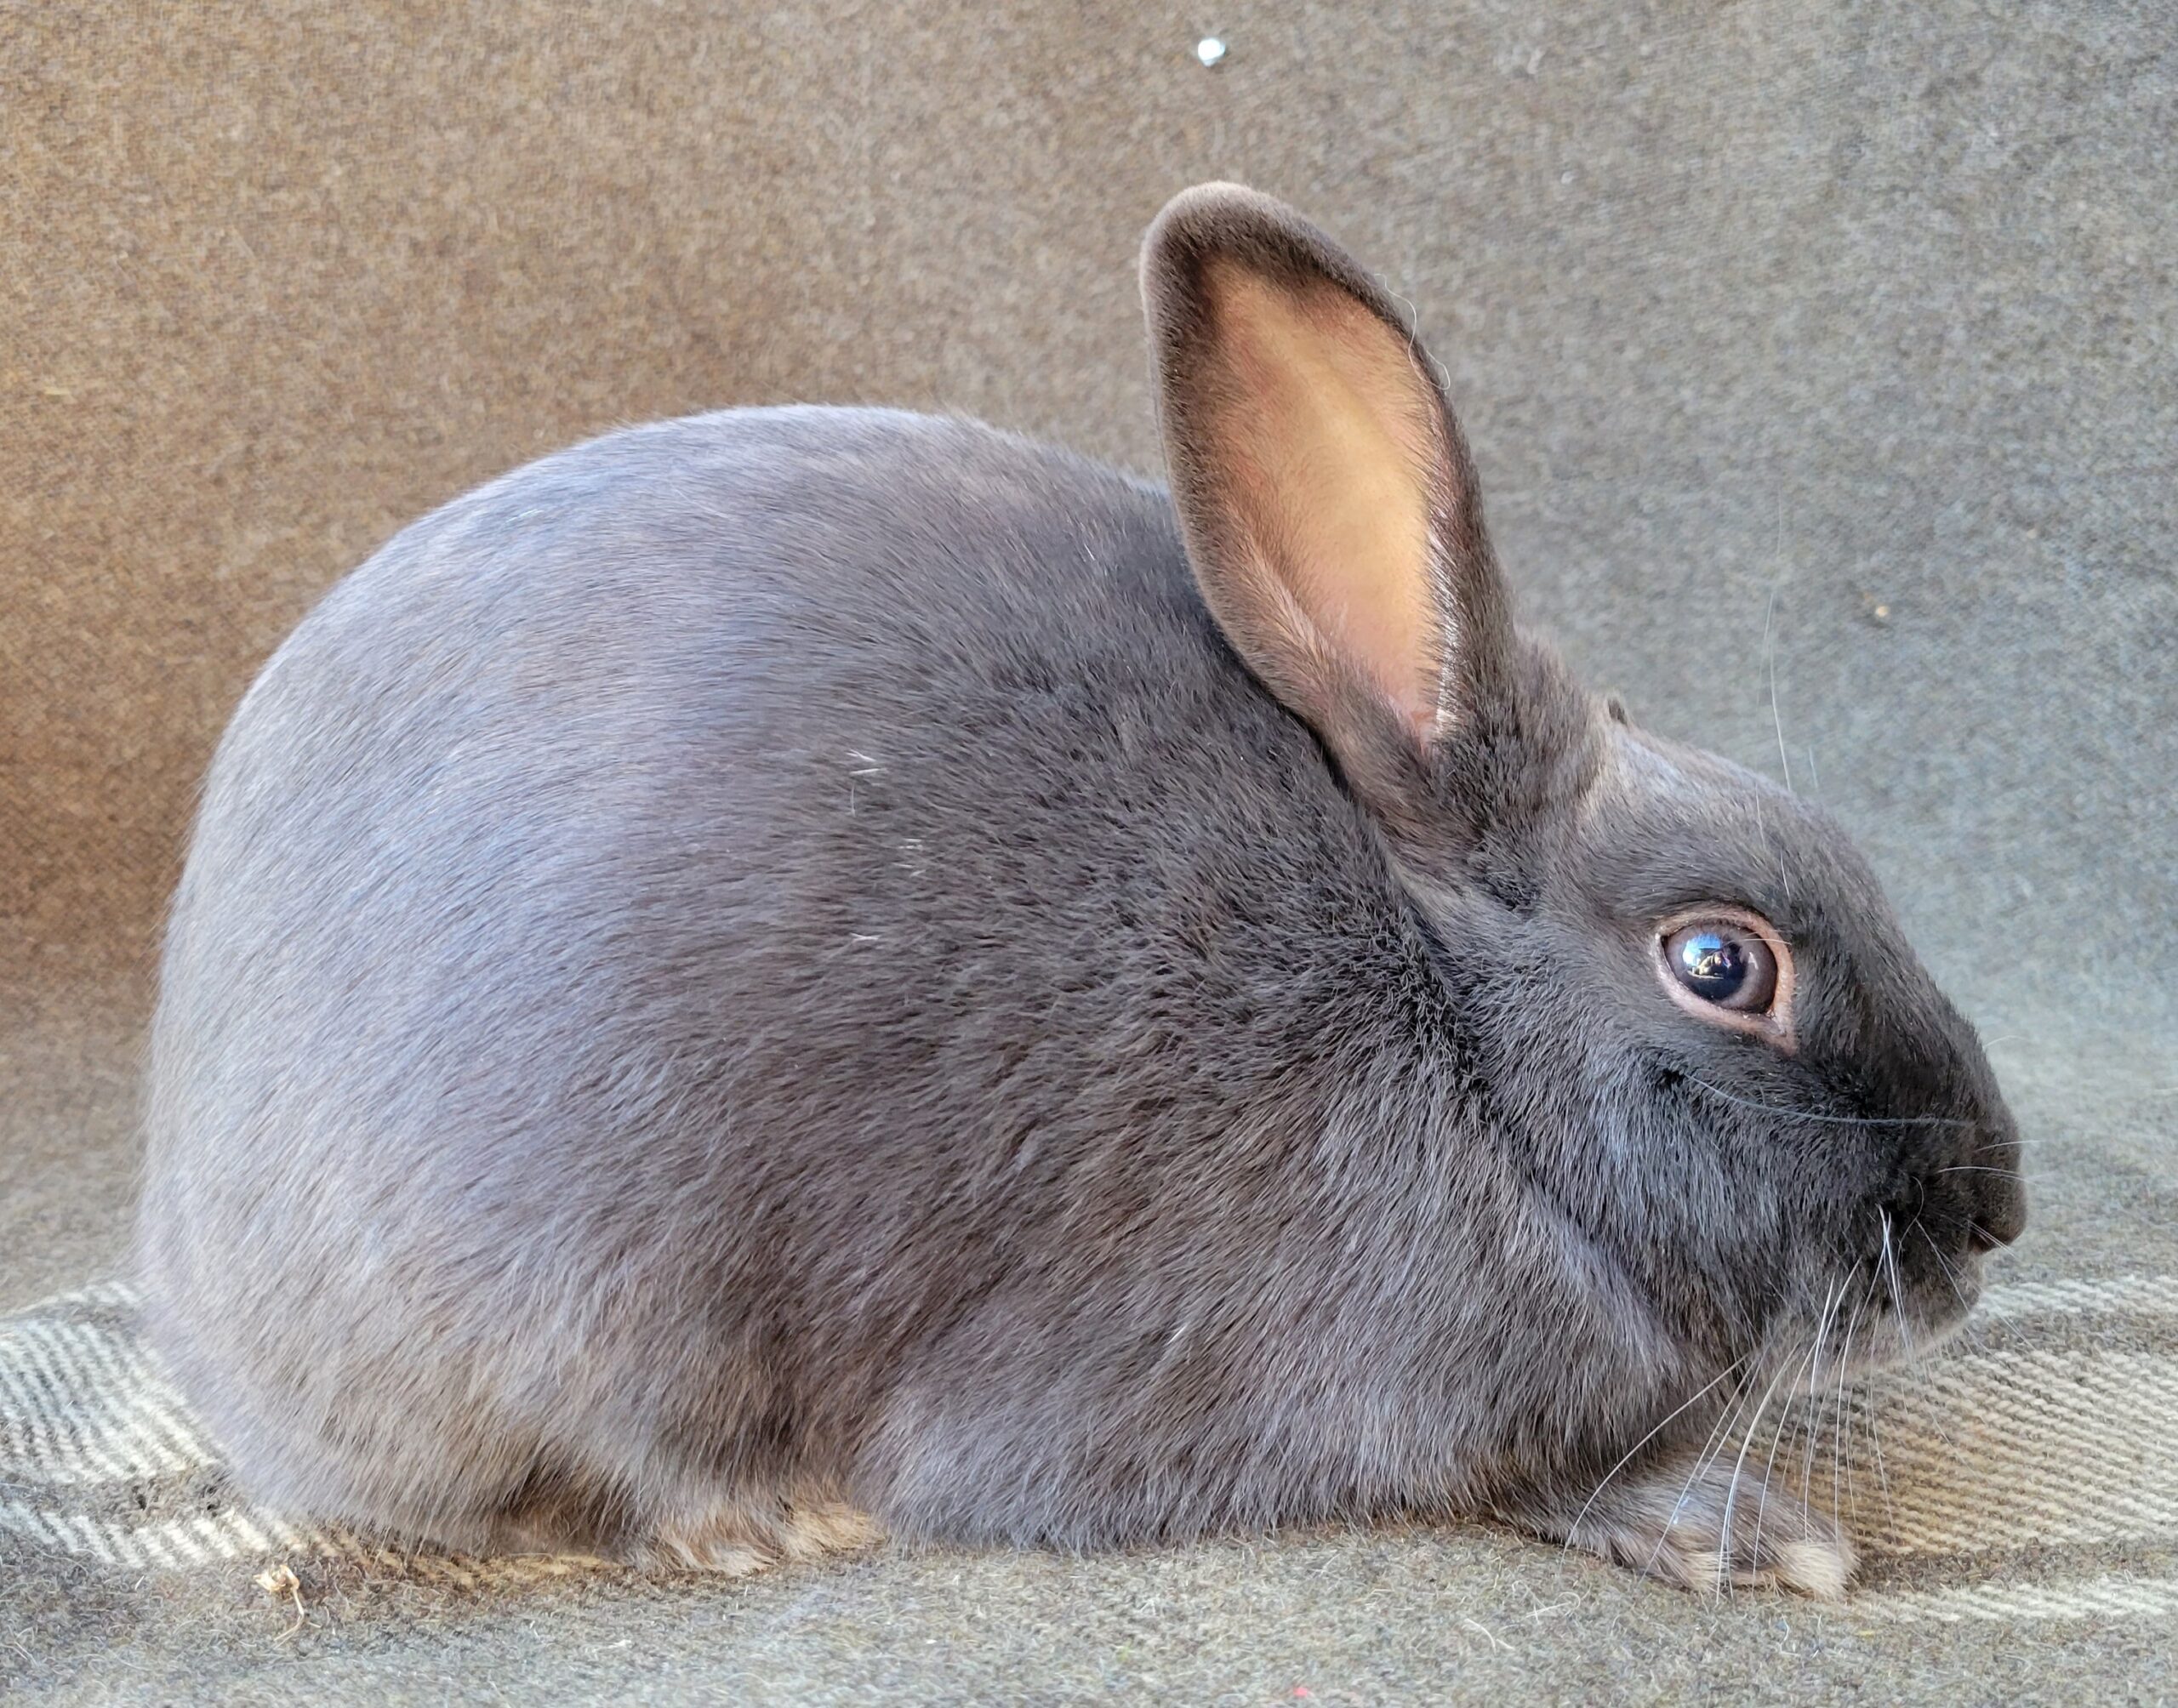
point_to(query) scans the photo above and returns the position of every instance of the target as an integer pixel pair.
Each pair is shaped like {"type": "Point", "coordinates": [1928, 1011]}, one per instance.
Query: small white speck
{"type": "Point", "coordinates": [1210, 50]}
{"type": "Point", "coordinates": [1566, 177]}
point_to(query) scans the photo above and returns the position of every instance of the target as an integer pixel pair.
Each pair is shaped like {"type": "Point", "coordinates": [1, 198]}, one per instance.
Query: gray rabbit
{"type": "Point", "coordinates": [800, 973]}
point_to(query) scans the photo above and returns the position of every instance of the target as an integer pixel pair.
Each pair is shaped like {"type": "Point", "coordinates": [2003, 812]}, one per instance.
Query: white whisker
{"type": "Point", "coordinates": [1707, 1387]}
{"type": "Point", "coordinates": [1719, 1434]}
{"type": "Point", "coordinates": [1770, 651]}
{"type": "Point", "coordinates": [1732, 1494]}
{"type": "Point", "coordinates": [1784, 1415]}
{"type": "Point", "coordinates": [1833, 1120]}
{"type": "Point", "coordinates": [1840, 1436]}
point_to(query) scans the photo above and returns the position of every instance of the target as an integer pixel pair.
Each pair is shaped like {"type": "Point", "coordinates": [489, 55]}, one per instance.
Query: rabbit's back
{"type": "Point", "coordinates": [689, 925]}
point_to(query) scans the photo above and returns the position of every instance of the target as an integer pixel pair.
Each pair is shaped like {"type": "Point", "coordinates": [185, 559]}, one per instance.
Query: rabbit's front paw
{"type": "Point", "coordinates": [1706, 1524]}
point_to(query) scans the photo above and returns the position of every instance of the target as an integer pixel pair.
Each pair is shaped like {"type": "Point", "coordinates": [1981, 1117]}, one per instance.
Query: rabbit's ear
{"type": "Point", "coordinates": [1325, 493]}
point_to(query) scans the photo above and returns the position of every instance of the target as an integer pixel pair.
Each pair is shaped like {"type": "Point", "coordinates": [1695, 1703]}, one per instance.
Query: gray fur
{"type": "Point", "coordinates": [781, 958]}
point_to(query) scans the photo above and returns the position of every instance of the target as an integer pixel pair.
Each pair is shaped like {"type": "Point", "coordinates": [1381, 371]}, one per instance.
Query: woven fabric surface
{"type": "Point", "coordinates": [1821, 366]}
{"type": "Point", "coordinates": [2059, 1428]}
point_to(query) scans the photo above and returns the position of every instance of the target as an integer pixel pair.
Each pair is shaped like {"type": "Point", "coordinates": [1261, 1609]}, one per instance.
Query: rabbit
{"type": "Point", "coordinates": [802, 975]}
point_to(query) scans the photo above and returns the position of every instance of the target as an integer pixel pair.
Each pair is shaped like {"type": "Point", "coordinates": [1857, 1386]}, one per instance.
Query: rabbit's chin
{"type": "Point", "coordinates": [1888, 1342]}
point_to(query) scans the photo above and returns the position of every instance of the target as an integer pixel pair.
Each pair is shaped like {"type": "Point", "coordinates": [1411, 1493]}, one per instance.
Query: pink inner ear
{"type": "Point", "coordinates": [1330, 444]}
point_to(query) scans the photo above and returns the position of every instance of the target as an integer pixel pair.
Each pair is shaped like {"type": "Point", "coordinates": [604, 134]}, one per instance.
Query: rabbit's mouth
{"type": "Point", "coordinates": [1880, 1314]}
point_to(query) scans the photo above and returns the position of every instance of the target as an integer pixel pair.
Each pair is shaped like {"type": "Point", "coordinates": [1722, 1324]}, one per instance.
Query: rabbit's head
{"type": "Point", "coordinates": [1707, 1042]}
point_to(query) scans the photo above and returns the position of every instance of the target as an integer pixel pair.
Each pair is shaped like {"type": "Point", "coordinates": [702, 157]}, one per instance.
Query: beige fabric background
{"type": "Point", "coordinates": [1820, 352]}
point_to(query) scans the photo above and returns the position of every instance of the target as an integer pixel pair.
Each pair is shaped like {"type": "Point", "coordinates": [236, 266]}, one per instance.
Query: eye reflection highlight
{"type": "Point", "coordinates": [1723, 963]}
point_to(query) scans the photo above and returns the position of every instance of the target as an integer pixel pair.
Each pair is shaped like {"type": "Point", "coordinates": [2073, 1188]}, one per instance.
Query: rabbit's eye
{"type": "Point", "coordinates": [1724, 963]}
{"type": "Point", "coordinates": [1731, 967]}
